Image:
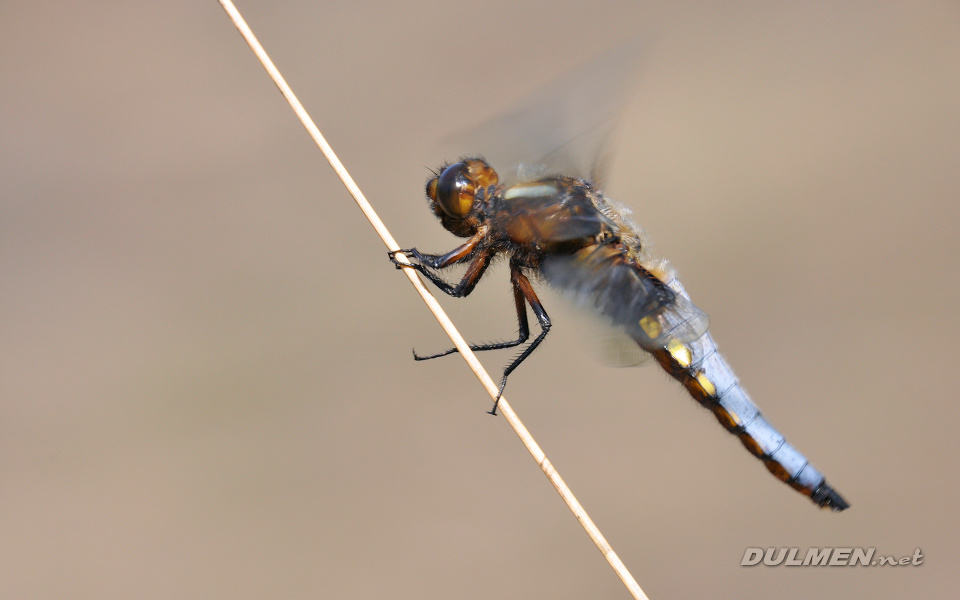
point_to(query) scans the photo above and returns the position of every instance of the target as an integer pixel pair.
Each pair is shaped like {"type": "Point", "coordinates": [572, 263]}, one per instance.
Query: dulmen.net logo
{"type": "Point", "coordinates": [826, 557]}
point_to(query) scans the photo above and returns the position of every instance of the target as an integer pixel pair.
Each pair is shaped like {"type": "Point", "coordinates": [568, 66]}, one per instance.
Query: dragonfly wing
{"type": "Point", "coordinates": [608, 280]}
{"type": "Point", "coordinates": [564, 127]}
{"type": "Point", "coordinates": [617, 349]}
{"type": "Point", "coordinates": [678, 320]}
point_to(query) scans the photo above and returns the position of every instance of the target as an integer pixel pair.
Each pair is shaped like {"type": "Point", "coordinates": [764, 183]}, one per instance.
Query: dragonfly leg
{"type": "Point", "coordinates": [437, 261]}
{"type": "Point", "coordinates": [467, 283]}
{"type": "Point", "coordinates": [523, 289]}
{"type": "Point", "coordinates": [524, 331]}
{"type": "Point", "coordinates": [427, 264]}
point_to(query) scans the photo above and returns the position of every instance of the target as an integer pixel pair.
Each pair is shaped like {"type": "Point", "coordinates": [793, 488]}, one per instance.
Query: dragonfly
{"type": "Point", "coordinates": [565, 231]}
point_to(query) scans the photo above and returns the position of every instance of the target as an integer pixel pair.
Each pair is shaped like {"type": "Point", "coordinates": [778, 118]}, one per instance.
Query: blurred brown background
{"type": "Point", "coordinates": [205, 371]}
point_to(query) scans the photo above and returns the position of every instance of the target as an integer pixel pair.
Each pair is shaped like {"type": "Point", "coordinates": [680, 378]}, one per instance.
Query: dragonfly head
{"type": "Point", "coordinates": [453, 193]}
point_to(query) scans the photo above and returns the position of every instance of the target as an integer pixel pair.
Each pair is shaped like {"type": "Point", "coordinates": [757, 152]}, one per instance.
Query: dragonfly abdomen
{"type": "Point", "coordinates": [709, 379]}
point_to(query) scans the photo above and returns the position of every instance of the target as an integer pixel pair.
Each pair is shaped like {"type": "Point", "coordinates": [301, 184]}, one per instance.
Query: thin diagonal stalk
{"type": "Point", "coordinates": [632, 586]}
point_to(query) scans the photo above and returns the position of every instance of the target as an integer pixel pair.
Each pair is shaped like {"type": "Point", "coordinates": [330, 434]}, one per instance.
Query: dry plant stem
{"type": "Point", "coordinates": [434, 307]}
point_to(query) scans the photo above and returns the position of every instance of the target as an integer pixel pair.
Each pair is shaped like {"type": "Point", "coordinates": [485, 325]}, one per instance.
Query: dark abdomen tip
{"type": "Point", "coordinates": [827, 497]}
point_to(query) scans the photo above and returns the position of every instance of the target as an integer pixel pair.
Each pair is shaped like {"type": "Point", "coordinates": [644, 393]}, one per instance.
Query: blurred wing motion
{"type": "Point", "coordinates": [564, 127]}
{"type": "Point", "coordinates": [608, 277]}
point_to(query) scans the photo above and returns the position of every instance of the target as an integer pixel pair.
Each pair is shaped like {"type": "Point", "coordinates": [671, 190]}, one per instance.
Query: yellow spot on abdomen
{"type": "Point", "coordinates": [706, 384]}
{"type": "Point", "coordinates": [727, 418]}
{"type": "Point", "coordinates": [651, 327]}
{"type": "Point", "coordinates": [680, 353]}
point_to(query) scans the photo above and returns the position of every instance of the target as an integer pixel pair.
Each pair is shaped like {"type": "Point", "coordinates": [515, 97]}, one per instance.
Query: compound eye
{"type": "Point", "coordinates": [454, 191]}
